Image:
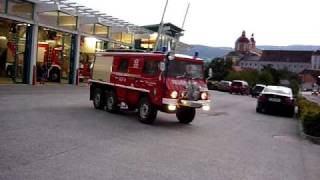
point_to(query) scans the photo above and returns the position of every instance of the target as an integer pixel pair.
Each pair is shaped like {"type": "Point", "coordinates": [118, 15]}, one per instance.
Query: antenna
{"type": "Point", "coordinates": [185, 16]}
{"type": "Point", "coordinates": [180, 34]}
{"type": "Point", "coordinates": [160, 27]}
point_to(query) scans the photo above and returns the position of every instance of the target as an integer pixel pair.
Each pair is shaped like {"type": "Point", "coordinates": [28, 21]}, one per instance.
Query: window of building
{"type": "Point", "coordinates": [87, 28]}
{"type": "Point", "coordinates": [49, 17]}
{"type": "Point", "coordinates": [2, 6]}
{"type": "Point", "coordinates": [20, 8]}
{"type": "Point", "coordinates": [67, 21]}
{"type": "Point", "coordinates": [151, 68]}
{"type": "Point", "coordinates": [101, 30]}
{"type": "Point", "coordinates": [116, 36]}
{"type": "Point", "coordinates": [123, 65]}
{"type": "Point", "coordinates": [127, 38]}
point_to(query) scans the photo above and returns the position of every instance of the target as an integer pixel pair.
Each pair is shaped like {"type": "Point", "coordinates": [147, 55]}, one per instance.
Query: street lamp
{"type": "Point", "coordinates": [318, 83]}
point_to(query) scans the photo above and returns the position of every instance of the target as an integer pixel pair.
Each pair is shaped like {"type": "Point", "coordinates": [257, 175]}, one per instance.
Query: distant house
{"type": "Point", "coordinates": [294, 61]}
{"type": "Point", "coordinates": [309, 78]}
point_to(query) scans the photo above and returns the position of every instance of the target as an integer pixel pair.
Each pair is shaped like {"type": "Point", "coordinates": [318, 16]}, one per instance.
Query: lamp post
{"type": "Point", "coordinates": [318, 83]}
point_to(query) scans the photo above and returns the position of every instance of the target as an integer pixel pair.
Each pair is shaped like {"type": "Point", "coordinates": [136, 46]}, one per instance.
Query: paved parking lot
{"type": "Point", "coordinates": [53, 132]}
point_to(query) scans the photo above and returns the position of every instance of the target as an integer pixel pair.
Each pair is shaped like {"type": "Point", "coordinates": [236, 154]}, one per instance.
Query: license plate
{"type": "Point", "coordinates": [274, 99]}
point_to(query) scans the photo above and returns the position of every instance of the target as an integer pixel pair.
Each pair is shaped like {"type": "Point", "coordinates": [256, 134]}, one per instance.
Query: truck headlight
{"type": "Point", "coordinates": [172, 107]}
{"type": "Point", "coordinates": [204, 95]}
{"type": "Point", "coordinates": [206, 107]}
{"type": "Point", "coordinates": [174, 94]}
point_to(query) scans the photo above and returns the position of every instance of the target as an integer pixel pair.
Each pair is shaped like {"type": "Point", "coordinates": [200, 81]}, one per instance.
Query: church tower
{"type": "Point", "coordinates": [242, 44]}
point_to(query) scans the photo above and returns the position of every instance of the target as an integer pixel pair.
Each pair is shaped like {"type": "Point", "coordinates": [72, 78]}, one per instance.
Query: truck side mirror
{"type": "Point", "coordinates": [170, 56]}
{"type": "Point", "coordinates": [162, 66]}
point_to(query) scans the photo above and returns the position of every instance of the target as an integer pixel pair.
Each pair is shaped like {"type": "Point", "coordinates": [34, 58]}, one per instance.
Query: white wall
{"type": "Point", "coordinates": [315, 62]}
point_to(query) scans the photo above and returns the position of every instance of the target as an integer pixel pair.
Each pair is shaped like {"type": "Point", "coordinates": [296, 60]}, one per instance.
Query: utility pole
{"type": "Point", "coordinates": [160, 27]}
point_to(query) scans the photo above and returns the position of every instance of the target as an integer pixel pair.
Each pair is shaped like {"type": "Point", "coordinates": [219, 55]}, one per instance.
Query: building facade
{"type": "Point", "coordinates": [294, 61]}
{"type": "Point", "coordinates": [59, 36]}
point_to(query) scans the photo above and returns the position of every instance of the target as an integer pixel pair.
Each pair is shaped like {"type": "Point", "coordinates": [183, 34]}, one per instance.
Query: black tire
{"type": "Point", "coordinates": [185, 115]}
{"type": "Point", "coordinates": [146, 111]}
{"type": "Point", "coordinates": [258, 110]}
{"type": "Point", "coordinates": [291, 113]}
{"type": "Point", "coordinates": [111, 102]}
{"type": "Point", "coordinates": [54, 75]}
{"type": "Point", "coordinates": [97, 99]}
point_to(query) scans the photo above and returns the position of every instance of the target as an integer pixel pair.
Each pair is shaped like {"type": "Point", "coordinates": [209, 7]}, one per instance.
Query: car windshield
{"type": "Point", "coordinates": [183, 69]}
{"type": "Point", "coordinates": [236, 84]}
{"type": "Point", "coordinates": [258, 88]}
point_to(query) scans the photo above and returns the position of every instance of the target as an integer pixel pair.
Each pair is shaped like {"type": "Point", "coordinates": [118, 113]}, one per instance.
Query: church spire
{"type": "Point", "coordinates": [243, 33]}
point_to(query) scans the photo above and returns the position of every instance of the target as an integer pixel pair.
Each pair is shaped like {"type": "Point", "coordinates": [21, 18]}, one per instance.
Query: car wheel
{"type": "Point", "coordinates": [111, 102]}
{"type": "Point", "coordinates": [146, 111]}
{"type": "Point", "coordinates": [54, 76]}
{"type": "Point", "coordinates": [185, 115]}
{"type": "Point", "coordinates": [291, 112]}
{"type": "Point", "coordinates": [259, 110]}
{"type": "Point", "coordinates": [97, 99]}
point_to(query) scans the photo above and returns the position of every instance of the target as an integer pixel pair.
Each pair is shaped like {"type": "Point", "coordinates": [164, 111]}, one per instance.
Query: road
{"type": "Point", "coordinates": [311, 97]}
{"type": "Point", "coordinates": [53, 132]}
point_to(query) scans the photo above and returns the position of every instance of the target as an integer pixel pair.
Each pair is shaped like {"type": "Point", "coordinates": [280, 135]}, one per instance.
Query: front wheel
{"type": "Point", "coordinates": [147, 112]}
{"type": "Point", "coordinates": [185, 115]}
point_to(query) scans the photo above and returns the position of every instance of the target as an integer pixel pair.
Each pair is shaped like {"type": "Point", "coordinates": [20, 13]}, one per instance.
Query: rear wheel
{"type": "Point", "coordinates": [97, 99]}
{"type": "Point", "coordinates": [258, 110]}
{"type": "Point", "coordinates": [54, 75]}
{"type": "Point", "coordinates": [185, 115]}
{"type": "Point", "coordinates": [111, 102]}
{"type": "Point", "coordinates": [291, 112]}
{"type": "Point", "coordinates": [147, 112]}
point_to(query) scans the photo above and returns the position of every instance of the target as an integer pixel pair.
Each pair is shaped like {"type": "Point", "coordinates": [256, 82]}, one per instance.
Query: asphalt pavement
{"type": "Point", "coordinates": [53, 132]}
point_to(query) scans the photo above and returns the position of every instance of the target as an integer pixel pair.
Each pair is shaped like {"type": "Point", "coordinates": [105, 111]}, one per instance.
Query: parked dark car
{"type": "Point", "coordinates": [276, 98]}
{"type": "Point", "coordinates": [240, 87]}
{"type": "Point", "coordinates": [257, 89]}
{"type": "Point", "coordinates": [224, 86]}
{"type": "Point", "coordinates": [212, 84]}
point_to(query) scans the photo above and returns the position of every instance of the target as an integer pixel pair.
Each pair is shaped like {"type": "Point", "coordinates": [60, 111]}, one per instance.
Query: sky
{"type": "Point", "coordinates": [219, 23]}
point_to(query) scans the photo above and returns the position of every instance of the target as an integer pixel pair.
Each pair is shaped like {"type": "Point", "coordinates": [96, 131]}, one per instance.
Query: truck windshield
{"type": "Point", "coordinates": [183, 69]}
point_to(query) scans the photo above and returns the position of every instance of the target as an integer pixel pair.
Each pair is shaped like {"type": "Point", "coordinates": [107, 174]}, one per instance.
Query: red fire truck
{"type": "Point", "coordinates": [149, 82]}
{"type": "Point", "coordinates": [53, 58]}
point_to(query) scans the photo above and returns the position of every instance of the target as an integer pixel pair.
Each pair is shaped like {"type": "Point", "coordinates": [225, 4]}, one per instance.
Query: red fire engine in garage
{"type": "Point", "coordinates": [53, 58]}
{"type": "Point", "coordinates": [149, 82]}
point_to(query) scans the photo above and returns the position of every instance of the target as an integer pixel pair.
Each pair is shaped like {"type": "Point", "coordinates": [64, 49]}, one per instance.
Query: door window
{"type": "Point", "coordinates": [123, 65]}
{"type": "Point", "coordinates": [151, 68]}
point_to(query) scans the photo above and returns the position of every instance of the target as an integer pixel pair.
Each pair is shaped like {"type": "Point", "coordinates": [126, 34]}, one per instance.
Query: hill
{"type": "Point", "coordinates": [207, 53]}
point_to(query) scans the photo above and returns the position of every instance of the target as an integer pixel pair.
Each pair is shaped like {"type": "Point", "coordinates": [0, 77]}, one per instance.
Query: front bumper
{"type": "Point", "coordinates": [188, 103]}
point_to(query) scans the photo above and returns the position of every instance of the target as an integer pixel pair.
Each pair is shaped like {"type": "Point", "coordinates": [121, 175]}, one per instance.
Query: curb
{"type": "Point", "coordinates": [315, 140]}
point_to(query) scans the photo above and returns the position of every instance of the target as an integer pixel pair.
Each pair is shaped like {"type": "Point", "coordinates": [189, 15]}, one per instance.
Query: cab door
{"type": "Point", "coordinates": [151, 79]}
{"type": "Point", "coordinates": [134, 80]}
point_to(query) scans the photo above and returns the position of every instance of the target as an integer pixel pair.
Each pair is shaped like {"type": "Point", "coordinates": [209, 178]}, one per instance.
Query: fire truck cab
{"type": "Point", "coordinates": [149, 82]}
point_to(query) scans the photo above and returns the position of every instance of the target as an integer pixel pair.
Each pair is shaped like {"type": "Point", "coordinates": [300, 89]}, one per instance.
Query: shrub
{"type": "Point", "coordinates": [309, 114]}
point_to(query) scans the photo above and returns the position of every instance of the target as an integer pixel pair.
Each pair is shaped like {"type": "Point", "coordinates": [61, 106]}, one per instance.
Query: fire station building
{"type": "Point", "coordinates": [58, 38]}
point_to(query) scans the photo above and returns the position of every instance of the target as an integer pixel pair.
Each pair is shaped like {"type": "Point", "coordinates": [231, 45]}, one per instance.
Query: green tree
{"type": "Point", "coordinates": [265, 77]}
{"type": "Point", "coordinates": [220, 68]}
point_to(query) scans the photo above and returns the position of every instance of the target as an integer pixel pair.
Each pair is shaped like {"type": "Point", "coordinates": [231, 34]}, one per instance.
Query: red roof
{"type": "Point", "coordinates": [243, 40]}
{"type": "Point", "coordinates": [286, 56]}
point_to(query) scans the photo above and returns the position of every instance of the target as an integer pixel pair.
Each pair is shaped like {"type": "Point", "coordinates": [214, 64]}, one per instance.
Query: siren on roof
{"type": "Point", "coordinates": [196, 55]}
